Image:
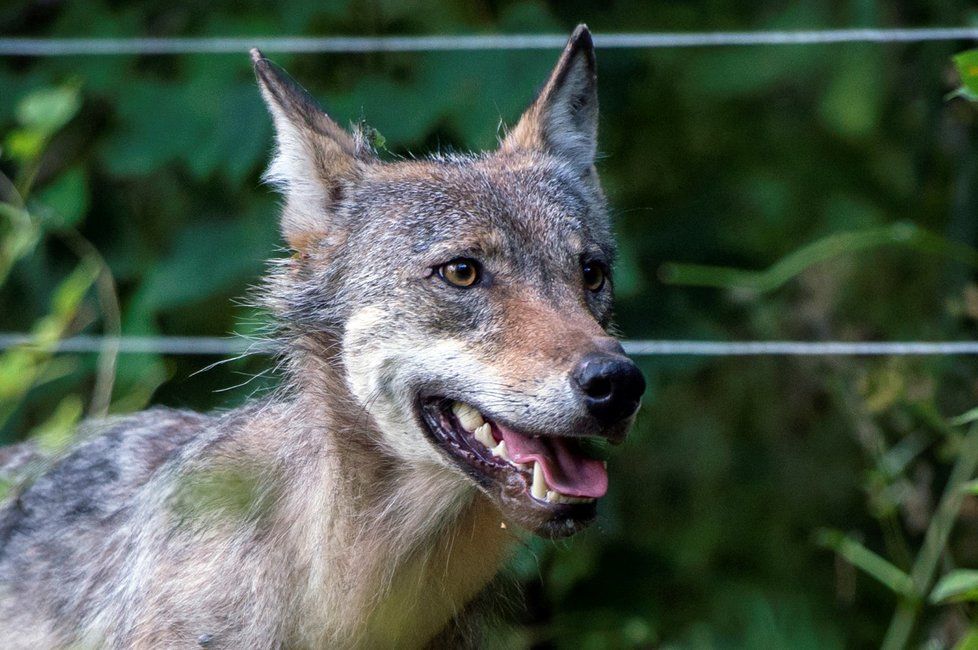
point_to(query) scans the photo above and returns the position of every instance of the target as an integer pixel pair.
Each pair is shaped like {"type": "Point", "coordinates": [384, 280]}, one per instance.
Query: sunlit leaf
{"type": "Point", "coordinates": [965, 418]}
{"type": "Point", "coordinates": [72, 290]}
{"type": "Point", "coordinates": [56, 432]}
{"type": "Point", "coordinates": [48, 109]}
{"type": "Point", "coordinates": [24, 144]}
{"type": "Point", "coordinates": [967, 65]}
{"type": "Point", "coordinates": [19, 234]}
{"type": "Point", "coordinates": [956, 586]}
{"type": "Point", "coordinates": [971, 487]}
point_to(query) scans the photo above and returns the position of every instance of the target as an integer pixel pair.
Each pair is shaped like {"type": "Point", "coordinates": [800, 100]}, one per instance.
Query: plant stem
{"type": "Point", "coordinates": [935, 542]}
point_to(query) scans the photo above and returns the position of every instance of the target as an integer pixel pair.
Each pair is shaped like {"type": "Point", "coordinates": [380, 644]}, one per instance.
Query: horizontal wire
{"type": "Point", "coordinates": [26, 46]}
{"type": "Point", "coordinates": [800, 348]}
{"type": "Point", "coordinates": [213, 345]}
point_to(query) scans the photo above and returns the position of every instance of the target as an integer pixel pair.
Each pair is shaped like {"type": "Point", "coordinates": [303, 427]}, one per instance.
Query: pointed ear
{"type": "Point", "coordinates": [315, 159]}
{"type": "Point", "coordinates": [563, 120]}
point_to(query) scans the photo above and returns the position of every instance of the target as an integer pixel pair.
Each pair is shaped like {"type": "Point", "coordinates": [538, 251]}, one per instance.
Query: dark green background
{"type": "Point", "coordinates": [732, 156]}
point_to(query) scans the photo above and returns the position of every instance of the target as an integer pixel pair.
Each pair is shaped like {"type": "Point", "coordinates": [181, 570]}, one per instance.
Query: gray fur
{"type": "Point", "coordinates": [321, 516]}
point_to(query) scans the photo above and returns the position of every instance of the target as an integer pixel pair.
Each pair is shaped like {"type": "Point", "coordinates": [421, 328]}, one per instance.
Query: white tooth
{"type": "Point", "coordinates": [539, 487]}
{"type": "Point", "coordinates": [484, 435]}
{"type": "Point", "coordinates": [468, 417]}
{"type": "Point", "coordinates": [556, 497]}
{"type": "Point", "coordinates": [500, 450]}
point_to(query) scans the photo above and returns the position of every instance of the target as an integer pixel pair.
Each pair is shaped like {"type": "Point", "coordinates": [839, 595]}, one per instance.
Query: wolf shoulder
{"type": "Point", "coordinates": [108, 458]}
{"type": "Point", "coordinates": [87, 488]}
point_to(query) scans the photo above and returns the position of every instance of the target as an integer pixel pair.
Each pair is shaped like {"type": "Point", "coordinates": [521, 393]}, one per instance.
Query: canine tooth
{"type": "Point", "coordinates": [468, 417]}
{"type": "Point", "coordinates": [483, 434]}
{"type": "Point", "coordinates": [500, 451]}
{"type": "Point", "coordinates": [539, 487]}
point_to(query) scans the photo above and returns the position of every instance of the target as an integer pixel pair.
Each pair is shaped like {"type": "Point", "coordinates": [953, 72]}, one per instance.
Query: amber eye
{"type": "Point", "coordinates": [594, 276]}
{"type": "Point", "coordinates": [461, 272]}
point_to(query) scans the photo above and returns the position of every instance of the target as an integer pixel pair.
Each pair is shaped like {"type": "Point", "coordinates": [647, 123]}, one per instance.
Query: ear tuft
{"type": "Point", "coordinates": [563, 120]}
{"type": "Point", "coordinates": [315, 159]}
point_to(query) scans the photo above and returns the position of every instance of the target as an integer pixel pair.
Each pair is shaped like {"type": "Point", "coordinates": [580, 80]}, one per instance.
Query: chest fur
{"type": "Point", "coordinates": [435, 584]}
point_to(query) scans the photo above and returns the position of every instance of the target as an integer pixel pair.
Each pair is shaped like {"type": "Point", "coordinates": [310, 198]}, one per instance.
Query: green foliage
{"type": "Point", "coordinates": [820, 251]}
{"type": "Point", "coordinates": [130, 201]}
{"type": "Point", "coordinates": [867, 561]}
{"type": "Point", "coordinates": [956, 586]}
{"type": "Point", "coordinates": [967, 65]}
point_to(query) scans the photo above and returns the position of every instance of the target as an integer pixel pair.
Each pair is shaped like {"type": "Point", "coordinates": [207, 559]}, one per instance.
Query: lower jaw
{"type": "Point", "coordinates": [552, 522]}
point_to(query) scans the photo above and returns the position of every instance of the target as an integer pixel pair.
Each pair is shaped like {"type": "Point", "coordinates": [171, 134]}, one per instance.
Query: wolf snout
{"type": "Point", "coordinates": [611, 386]}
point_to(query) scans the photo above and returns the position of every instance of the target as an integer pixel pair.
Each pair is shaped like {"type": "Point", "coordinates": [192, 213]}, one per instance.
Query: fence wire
{"type": "Point", "coordinates": [21, 46]}
{"type": "Point", "coordinates": [202, 345]}
{"type": "Point", "coordinates": [217, 346]}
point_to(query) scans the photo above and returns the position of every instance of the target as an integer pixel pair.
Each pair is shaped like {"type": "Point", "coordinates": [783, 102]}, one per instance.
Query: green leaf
{"type": "Point", "coordinates": [47, 110]}
{"type": "Point", "coordinates": [374, 137]}
{"type": "Point", "coordinates": [24, 144]}
{"type": "Point", "coordinates": [971, 487]}
{"type": "Point", "coordinates": [967, 65]}
{"type": "Point", "coordinates": [965, 418]}
{"type": "Point", "coordinates": [867, 561]}
{"type": "Point", "coordinates": [956, 586]}
{"type": "Point", "coordinates": [56, 432]}
{"type": "Point", "coordinates": [72, 290]}
{"type": "Point", "coordinates": [19, 234]}
{"type": "Point", "coordinates": [67, 197]}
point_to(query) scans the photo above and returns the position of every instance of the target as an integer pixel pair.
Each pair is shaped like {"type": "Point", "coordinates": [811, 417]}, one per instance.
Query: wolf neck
{"type": "Point", "coordinates": [389, 552]}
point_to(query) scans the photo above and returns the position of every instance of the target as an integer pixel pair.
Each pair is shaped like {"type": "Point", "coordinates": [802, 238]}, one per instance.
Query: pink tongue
{"type": "Point", "coordinates": [570, 474]}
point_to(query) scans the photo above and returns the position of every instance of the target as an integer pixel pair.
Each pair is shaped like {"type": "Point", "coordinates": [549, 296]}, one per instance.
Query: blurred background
{"type": "Point", "coordinates": [761, 501]}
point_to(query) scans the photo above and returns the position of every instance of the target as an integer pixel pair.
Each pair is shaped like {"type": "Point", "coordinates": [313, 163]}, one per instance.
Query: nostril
{"type": "Point", "coordinates": [598, 388]}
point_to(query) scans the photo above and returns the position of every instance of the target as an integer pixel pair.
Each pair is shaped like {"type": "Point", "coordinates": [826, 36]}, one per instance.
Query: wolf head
{"type": "Point", "coordinates": [469, 296]}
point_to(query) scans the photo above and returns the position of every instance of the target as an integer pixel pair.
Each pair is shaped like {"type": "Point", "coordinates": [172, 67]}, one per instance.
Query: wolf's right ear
{"type": "Point", "coordinates": [315, 158]}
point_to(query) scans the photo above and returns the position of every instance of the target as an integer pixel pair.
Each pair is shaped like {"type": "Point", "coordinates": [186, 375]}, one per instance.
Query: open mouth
{"type": "Point", "coordinates": [545, 478]}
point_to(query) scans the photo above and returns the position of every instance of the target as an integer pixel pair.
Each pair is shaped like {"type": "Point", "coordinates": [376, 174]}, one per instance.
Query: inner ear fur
{"type": "Point", "coordinates": [315, 159]}
{"type": "Point", "coordinates": [563, 120]}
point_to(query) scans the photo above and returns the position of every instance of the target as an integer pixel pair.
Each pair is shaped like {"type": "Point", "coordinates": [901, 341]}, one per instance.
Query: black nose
{"type": "Point", "coordinates": [612, 386]}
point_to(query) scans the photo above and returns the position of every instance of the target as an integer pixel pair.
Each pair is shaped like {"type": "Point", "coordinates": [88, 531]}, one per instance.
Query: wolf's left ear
{"type": "Point", "coordinates": [315, 158]}
{"type": "Point", "coordinates": [563, 120]}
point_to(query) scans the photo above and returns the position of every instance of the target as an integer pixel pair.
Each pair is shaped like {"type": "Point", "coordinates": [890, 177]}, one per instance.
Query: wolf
{"type": "Point", "coordinates": [443, 328]}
